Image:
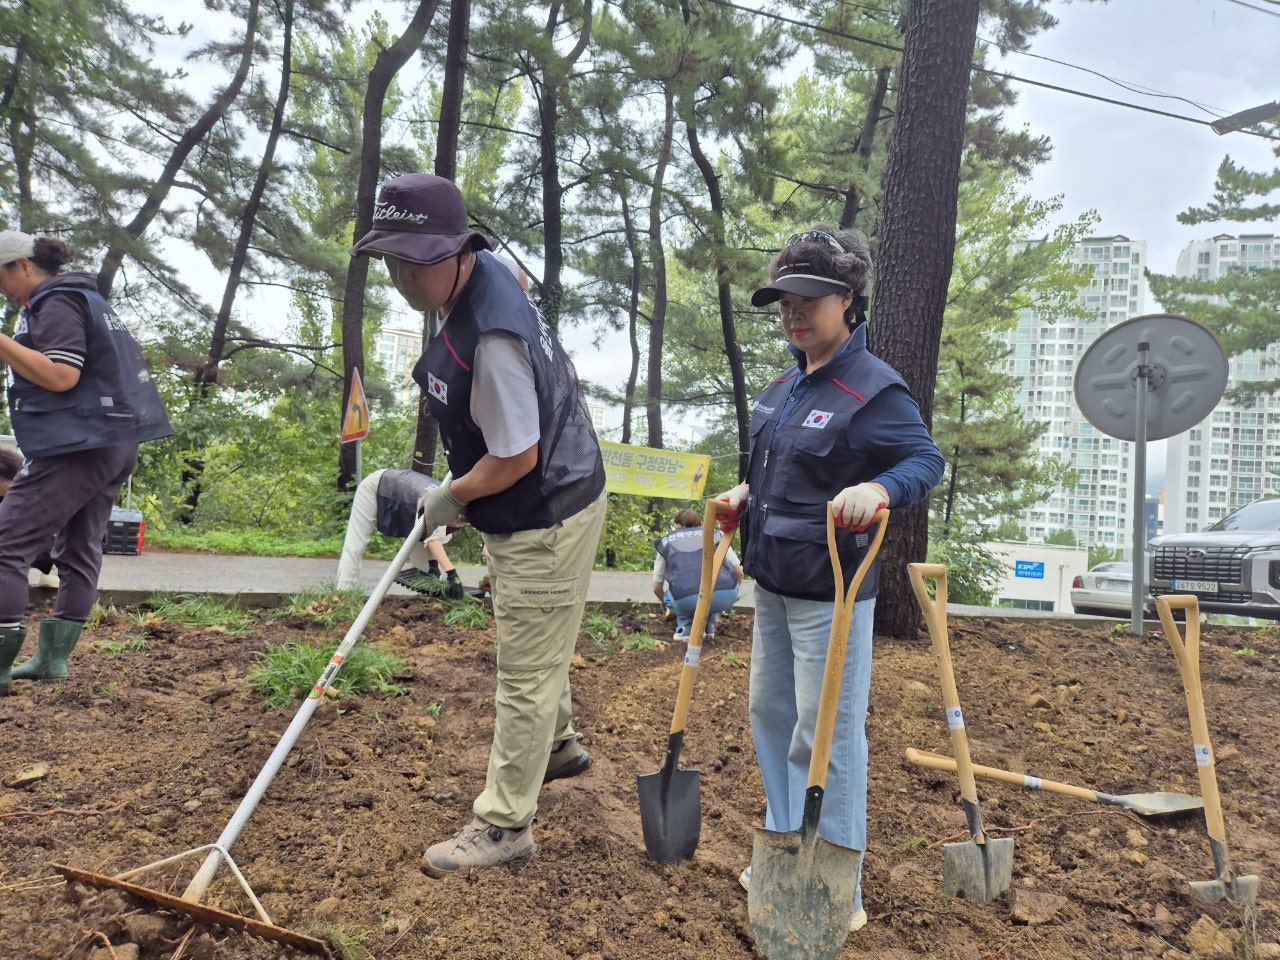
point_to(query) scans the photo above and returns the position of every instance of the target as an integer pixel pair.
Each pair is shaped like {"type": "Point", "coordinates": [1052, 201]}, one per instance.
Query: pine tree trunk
{"type": "Point", "coordinates": [384, 70]}
{"type": "Point", "coordinates": [917, 247]}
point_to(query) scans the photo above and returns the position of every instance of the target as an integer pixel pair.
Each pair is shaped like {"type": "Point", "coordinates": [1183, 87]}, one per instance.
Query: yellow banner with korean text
{"type": "Point", "coordinates": [648, 472]}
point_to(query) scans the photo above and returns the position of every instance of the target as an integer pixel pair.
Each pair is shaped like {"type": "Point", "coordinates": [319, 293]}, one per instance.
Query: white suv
{"type": "Point", "coordinates": [1233, 567]}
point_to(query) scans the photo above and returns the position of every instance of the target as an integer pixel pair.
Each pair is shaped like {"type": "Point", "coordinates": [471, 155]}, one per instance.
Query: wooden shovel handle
{"type": "Point", "coordinates": [935, 615]}
{"type": "Point", "coordinates": [841, 618]}
{"type": "Point", "coordinates": [935, 761]}
{"type": "Point", "coordinates": [712, 560]}
{"type": "Point", "coordinates": [1188, 656]}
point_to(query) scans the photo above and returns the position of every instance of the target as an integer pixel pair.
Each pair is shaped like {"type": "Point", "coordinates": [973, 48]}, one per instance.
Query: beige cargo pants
{"type": "Point", "coordinates": [539, 584]}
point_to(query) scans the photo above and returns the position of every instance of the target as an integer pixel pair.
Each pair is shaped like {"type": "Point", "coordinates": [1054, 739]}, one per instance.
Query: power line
{"type": "Point", "coordinates": [1250, 6]}
{"type": "Point", "coordinates": [817, 28]}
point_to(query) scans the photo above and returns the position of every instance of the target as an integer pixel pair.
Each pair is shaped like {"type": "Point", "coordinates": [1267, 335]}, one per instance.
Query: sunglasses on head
{"type": "Point", "coordinates": [814, 236]}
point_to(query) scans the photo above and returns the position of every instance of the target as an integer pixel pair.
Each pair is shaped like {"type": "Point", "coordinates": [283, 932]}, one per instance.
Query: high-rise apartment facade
{"type": "Point", "coordinates": [398, 351]}
{"type": "Point", "coordinates": [1097, 509]}
{"type": "Point", "coordinates": [1230, 457]}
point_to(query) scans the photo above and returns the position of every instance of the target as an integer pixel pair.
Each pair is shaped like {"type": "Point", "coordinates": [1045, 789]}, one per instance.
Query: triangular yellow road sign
{"type": "Point", "coordinates": [355, 422]}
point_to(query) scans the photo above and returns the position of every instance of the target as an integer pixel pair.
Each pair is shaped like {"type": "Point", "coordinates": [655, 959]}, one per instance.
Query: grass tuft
{"type": "Point", "coordinates": [288, 671]}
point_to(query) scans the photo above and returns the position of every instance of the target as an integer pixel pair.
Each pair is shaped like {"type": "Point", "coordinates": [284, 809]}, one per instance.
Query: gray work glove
{"type": "Point", "coordinates": [440, 506]}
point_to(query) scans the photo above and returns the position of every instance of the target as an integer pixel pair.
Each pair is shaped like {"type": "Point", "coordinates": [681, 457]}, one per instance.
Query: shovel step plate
{"type": "Point", "coordinates": [801, 897]}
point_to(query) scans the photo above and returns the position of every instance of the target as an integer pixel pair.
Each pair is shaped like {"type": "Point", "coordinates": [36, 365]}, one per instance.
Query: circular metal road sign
{"type": "Point", "coordinates": [1186, 374]}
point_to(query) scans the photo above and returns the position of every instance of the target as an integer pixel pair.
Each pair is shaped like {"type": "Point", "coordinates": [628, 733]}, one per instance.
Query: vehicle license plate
{"type": "Point", "coordinates": [1120, 585]}
{"type": "Point", "coordinates": [1195, 586]}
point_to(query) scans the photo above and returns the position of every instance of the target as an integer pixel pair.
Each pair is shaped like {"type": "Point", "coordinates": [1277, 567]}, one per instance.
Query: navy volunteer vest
{"type": "Point", "coordinates": [569, 474]}
{"type": "Point", "coordinates": [114, 402]}
{"type": "Point", "coordinates": [800, 459]}
{"type": "Point", "coordinates": [682, 549]}
{"type": "Point", "coordinates": [398, 494]}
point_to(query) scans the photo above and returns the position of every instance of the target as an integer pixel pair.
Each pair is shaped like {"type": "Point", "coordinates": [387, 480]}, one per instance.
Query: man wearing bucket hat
{"type": "Point", "coordinates": [526, 472]}
{"type": "Point", "coordinates": [841, 427]}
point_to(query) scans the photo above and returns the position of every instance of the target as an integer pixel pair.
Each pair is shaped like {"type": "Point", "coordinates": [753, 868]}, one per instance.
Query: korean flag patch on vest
{"type": "Point", "coordinates": [817, 418]}
{"type": "Point", "coordinates": [437, 388]}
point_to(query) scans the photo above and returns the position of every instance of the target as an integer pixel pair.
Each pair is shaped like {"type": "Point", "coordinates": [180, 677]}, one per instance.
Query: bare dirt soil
{"type": "Point", "coordinates": [147, 752]}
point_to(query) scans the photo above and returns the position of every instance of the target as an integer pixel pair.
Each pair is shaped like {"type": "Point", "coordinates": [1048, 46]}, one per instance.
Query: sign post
{"type": "Point", "coordinates": [355, 421]}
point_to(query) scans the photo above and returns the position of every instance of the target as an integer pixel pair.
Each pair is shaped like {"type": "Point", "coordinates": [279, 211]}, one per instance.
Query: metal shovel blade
{"type": "Point", "coordinates": [800, 901]}
{"type": "Point", "coordinates": [977, 871]}
{"type": "Point", "coordinates": [671, 807]}
{"type": "Point", "coordinates": [1239, 889]}
{"type": "Point", "coordinates": [1153, 804]}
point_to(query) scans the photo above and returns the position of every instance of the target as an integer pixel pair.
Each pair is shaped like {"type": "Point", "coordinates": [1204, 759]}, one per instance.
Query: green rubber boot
{"type": "Point", "coordinates": [57, 638]}
{"type": "Point", "coordinates": [10, 643]}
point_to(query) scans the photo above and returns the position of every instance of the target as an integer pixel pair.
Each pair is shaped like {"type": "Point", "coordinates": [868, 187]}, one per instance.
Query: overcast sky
{"type": "Point", "coordinates": [1136, 169]}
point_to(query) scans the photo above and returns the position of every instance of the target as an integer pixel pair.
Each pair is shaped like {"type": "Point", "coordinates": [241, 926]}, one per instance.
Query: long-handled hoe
{"type": "Point", "coordinates": [219, 851]}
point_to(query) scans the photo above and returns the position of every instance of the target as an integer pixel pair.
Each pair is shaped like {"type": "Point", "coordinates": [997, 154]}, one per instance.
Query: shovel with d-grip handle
{"type": "Point", "coordinates": [802, 891]}
{"type": "Point", "coordinates": [671, 800]}
{"type": "Point", "coordinates": [1226, 883]}
{"type": "Point", "coordinates": [981, 867]}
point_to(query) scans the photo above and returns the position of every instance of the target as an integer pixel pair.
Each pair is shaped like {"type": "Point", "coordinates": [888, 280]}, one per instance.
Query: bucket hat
{"type": "Point", "coordinates": [420, 218]}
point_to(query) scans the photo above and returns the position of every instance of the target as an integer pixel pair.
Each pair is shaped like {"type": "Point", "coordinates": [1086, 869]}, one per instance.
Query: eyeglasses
{"type": "Point", "coordinates": [814, 236]}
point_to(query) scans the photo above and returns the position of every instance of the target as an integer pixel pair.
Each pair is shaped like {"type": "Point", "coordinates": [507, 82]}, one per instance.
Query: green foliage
{"type": "Point", "coordinates": [630, 526]}
{"type": "Point", "coordinates": [602, 630]}
{"type": "Point", "coordinates": [639, 641]}
{"type": "Point", "coordinates": [113, 648]}
{"type": "Point", "coordinates": [1102, 554]}
{"type": "Point", "coordinates": [195, 610]}
{"type": "Point", "coordinates": [468, 613]}
{"type": "Point", "coordinates": [972, 572]}
{"type": "Point", "coordinates": [287, 672]}
{"type": "Point", "coordinates": [326, 606]}
{"type": "Point", "coordinates": [1061, 538]}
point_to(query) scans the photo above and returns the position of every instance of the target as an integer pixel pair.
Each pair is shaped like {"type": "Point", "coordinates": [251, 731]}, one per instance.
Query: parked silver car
{"type": "Point", "coordinates": [1233, 566]}
{"type": "Point", "coordinates": [1105, 590]}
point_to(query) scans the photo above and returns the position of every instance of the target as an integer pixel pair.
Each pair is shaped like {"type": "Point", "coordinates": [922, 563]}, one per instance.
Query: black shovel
{"type": "Point", "coordinates": [800, 901]}
{"type": "Point", "coordinates": [980, 868]}
{"type": "Point", "coordinates": [1226, 882]}
{"type": "Point", "coordinates": [670, 800]}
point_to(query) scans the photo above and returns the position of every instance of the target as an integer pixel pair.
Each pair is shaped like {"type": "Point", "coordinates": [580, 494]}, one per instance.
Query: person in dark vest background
{"type": "Point", "coordinates": [677, 574]}
{"type": "Point", "coordinates": [10, 463]}
{"type": "Point", "coordinates": [387, 500]}
{"type": "Point", "coordinates": [81, 399]}
{"type": "Point", "coordinates": [841, 427]}
{"type": "Point", "coordinates": [526, 472]}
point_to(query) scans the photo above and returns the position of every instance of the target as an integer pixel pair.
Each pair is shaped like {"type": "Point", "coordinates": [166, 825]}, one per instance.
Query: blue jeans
{"type": "Point", "coordinates": [684, 608]}
{"type": "Point", "coordinates": [788, 655]}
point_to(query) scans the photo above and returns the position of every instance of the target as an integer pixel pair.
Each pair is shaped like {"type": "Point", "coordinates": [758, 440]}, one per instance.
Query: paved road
{"type": "Point", "coordinates": [261, 580]}
{"type": "Point", "coordinates": [264, 580]}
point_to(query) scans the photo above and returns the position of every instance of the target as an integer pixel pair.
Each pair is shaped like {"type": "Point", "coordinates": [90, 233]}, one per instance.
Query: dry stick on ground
{"type": "Point", "coordinates": [413, 923]}
{"type": "Point", "coordinates": [182, 944]}
{"type": "Point", "coordinates": [90, 934]}
{"type": "Point", "coordinates": [1031, 825]}
{"type": "Point", "coordinates": [35, 883]}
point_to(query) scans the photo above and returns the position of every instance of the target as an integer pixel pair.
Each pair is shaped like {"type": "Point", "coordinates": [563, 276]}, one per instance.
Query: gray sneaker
{"type": "Point", "coordinates": [479, 844]}
{"type": "Point", "coordinates": [567, 760]}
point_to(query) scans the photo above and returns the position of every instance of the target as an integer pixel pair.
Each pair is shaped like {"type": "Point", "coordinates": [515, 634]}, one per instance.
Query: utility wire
{"type": "Point", "coordinates": [817, 28]}
{"type": "Point", "coordinates": [1250, 6]}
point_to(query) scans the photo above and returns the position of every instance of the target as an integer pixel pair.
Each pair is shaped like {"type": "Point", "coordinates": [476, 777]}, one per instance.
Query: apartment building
{"type": "Point", "coordinates": [1098, 509]}
{"type": "Point", "coordinates": [397, 352]}
{"type": "Point", "coordinates": [1230, 457]}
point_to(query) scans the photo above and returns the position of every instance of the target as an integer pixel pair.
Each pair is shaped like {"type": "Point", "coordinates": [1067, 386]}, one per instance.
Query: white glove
{"type": "Point", "coordinates": [736, 499]}
{"type": "Point", "coordinates": [855, 507]}
{"type": "Point", "coordinates": [440, 506]}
